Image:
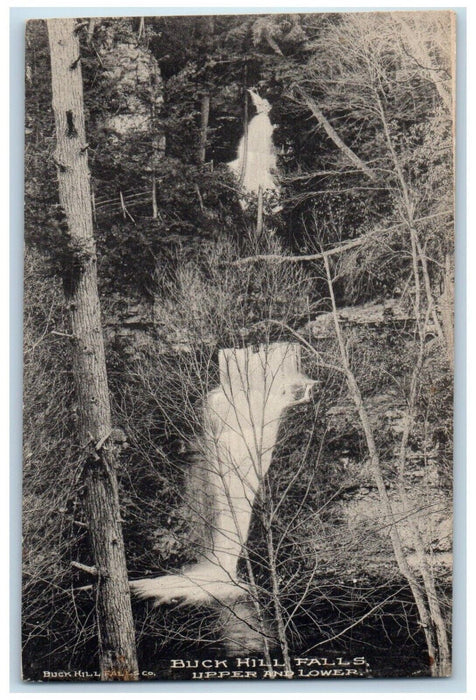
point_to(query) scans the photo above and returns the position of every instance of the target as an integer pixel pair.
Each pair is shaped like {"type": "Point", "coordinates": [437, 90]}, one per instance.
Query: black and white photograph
{"type": "Point", "coordinates": [238, 347]}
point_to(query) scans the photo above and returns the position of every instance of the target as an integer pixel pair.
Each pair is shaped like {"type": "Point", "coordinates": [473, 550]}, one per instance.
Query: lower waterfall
{"type": "Point", "coordinates": [241, 422]}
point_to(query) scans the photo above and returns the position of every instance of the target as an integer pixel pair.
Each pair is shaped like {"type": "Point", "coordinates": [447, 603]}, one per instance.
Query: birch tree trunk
{"type": "Point", "coordinates": [117, 652]}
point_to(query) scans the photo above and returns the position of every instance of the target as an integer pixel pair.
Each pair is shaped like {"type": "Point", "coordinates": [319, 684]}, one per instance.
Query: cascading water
{"type": "Point", "coordinates": [240, 427]}
{"type": "Point", "coordinates": [255, 164]}
{"type": "Point", "coordinates": [241, 422]}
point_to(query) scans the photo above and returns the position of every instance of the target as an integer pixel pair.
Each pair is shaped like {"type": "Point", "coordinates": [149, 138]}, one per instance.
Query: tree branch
{"type": "Point", "coordinates": [347, 245]}
{"type": "Point", "coordinates": [332, 133]}
{"type": "Point", "coordinates": [91, 570]}
{"type": "Point", "coordinates": [278, 258]}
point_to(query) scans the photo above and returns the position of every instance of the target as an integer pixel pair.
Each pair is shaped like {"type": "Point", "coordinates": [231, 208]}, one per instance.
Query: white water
{"type": "Point", "coordinates": [242, 418]}
{"type": "Point", "coordinates": [256, 157]}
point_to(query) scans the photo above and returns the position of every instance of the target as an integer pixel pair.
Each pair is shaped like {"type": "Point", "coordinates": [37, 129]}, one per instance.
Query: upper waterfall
{"type": "Point", "coordinates": [256, 158]}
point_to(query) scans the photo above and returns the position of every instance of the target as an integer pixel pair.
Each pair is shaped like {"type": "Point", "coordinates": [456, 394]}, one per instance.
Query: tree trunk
{"type": "Point", "coordinates": [442, 661]}
{"type": "Point", "coordinates": [204, 117]}
{"type": "Point", "coordinates": [117, 653]}
{"type": "Point", "coordinates": [245, 125]}
{"type": "Point", "coordinates": [376, 468]}
{"type": "Point", "coordinates": [447, 301]}
{"type": "Point", "coordinates": [141, 31]}
{"type": "Point", "coordinates": [91, 27]}
{"type": "Point", "coordinates": [259, 215]}
{"type": "Point", "coordinates": [155, 208]}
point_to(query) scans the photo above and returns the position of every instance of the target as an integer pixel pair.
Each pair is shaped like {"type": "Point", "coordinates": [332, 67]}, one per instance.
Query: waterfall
{"type": "Point", "coordinates": [241, 422]}
{"type": "Point", "coordinates": [256, 158]}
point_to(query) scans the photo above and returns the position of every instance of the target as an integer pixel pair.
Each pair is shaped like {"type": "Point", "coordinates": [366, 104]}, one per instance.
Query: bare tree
{"type": "Point", "coordinates": [426, 597]}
